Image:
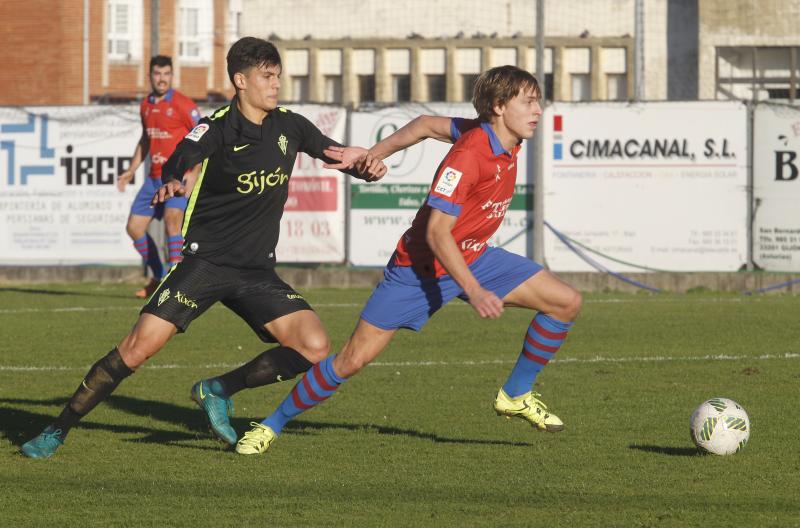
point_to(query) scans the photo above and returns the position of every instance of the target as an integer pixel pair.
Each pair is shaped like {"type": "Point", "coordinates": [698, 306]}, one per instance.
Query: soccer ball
{"type": "Point", "coordinates": [720, 426]}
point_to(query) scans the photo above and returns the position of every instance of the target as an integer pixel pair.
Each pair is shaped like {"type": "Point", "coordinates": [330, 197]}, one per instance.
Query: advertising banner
{"type": "Point", "coordinates": [59, 203]}
{"type": "Point", "coordinates": [776, 188]}
{"type": "Point", "coordinates": [381, 212]}
{"type": "Point", "coordinates": [58, 199]}
{"type": "Point", "coordinates": [660, 186]}
{"type": "Point", "coordinates": [313, 225]}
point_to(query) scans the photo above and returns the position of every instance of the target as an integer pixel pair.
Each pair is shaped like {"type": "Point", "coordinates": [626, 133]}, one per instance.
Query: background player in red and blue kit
{"type": "Point", "coordinates": [167, 116]}
{"type": "Point", "coordinates": [444, 254]}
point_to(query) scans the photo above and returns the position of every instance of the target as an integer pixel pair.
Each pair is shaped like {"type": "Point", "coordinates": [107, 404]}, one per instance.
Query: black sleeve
{"type": "Point", "coordinates": [313, 142]}
{"type": "Point", "coordinates": [198, 144]}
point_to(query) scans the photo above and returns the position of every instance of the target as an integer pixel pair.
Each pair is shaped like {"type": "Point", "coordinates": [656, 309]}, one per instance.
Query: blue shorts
{"type": "Point", "coordinates": [403, 299]}
{"type": "Point", "coordinates": [141, 204]}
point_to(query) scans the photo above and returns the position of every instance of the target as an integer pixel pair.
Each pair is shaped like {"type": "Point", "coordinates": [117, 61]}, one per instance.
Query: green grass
{"type": "Point", "coordinates": [406, 442]}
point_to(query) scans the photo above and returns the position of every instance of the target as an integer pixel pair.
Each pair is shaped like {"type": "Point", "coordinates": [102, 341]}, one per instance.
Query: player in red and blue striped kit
{"type": "Point", "coordinates": [167, 116]}
{"type": "Point", "coordinates": [444, 254]}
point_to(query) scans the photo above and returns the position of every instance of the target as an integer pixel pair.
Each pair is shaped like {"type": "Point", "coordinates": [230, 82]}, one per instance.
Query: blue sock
{"type": "Point", "coordinates": [317, 385]}
{"type": "Point", "coordinates": [175, 246]}
{"type": "Point", "coordinates": [542, 341]}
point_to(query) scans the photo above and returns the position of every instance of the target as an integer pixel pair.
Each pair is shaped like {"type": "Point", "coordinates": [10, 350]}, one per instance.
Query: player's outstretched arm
{"type": "Point", "coordinates": [419, 128]}
{"type": "Point", "coordinates": [141, 150]}
{"type": "Point", "coordinates": [440, 239]}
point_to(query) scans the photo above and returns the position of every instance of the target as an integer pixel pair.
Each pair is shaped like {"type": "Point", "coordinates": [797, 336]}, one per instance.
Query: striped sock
{"type": "Point", "coordinates": [175, 245]}
{"type": "Point", "coordinates": [317, 385]}
{"type": "Point", "coordinates": [542, 341]}
{"type": "Point", "coordinates": [146, 247]}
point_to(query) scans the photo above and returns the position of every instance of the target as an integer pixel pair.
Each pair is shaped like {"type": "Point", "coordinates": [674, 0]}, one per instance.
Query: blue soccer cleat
{"type": "Point", "coordinates": [44, 445]}
{"type": "Point", "coordinates": [217, 409]}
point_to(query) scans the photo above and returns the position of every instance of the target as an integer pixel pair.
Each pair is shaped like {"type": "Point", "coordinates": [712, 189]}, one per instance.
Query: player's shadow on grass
{"type": "Point", "coordinates": [666, 450]}
{"type": "Point", "coordinates": [35, 291]}
{"type": "Point", "coordinates": [19, 425]}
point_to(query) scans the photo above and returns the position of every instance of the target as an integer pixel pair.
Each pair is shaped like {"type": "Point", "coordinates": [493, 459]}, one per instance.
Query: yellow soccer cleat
{"type": "Point", "coordinates": [529, 407]}
{"type": "Point", "coordinates": [256, 441]}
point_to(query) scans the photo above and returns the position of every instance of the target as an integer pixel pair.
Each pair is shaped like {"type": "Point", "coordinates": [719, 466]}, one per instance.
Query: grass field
{"type": "Point", "coordinates": [412, 441]}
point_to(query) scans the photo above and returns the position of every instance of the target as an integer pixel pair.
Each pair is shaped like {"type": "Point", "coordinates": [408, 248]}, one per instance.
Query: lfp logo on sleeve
{"type": "Point", "coordinates": [448, 181]}
{"type": "Point", "coordinates": [197, 132]}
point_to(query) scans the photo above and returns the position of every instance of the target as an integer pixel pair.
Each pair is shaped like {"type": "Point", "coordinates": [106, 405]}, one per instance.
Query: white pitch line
{"type": "Point", "coordinates": [654, 300]}
{"type": "Point", "coordinates": [596, 359]}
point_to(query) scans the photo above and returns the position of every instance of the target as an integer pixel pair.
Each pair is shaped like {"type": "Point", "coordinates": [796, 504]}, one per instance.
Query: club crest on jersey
{"type": "Point", "coordinates": [283, 143]}
{"type": "Point", "coordinates": [197, 132]}
{"type": "Point", "coordinates": [448, 181]}
{"type": "Point", "coordinates": [163, 297]}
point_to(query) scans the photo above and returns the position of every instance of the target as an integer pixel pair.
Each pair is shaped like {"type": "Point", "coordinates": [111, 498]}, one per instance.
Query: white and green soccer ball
{"type": "Point", "coordinates": [720, 426]}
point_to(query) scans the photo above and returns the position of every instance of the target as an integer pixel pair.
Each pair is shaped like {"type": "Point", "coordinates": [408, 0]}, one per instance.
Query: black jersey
{"type": "Point", "coordinates": [234, 211]}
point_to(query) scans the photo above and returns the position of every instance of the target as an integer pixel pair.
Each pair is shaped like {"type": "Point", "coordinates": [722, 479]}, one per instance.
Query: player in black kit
{"type": "Point", "coordinates": [231, 229]}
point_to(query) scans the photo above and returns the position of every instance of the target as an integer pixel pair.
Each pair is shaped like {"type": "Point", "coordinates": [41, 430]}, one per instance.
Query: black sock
{"type": "Point", "coordinates": [101, 380]}
{"type": "Point", "coordinates": [277, 364]}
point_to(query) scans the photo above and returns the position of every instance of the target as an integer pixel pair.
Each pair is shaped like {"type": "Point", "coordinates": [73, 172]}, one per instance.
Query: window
{"type": "Point", "coordinates": [125, 28]}
{"type": "Point", "coordinates": [333, 89]}
{"type": "Point", "coordinates": [300, 88]}
{"type": "Point", "coordinates": [757, 73]}
{"type": "Point", "coordinates": [468, 85]}
{"type": "Point", "coordinates": [366, 88]}
{"type": "Point", "coordinates": [437, 87]}
{"type": "Point", "coordinates": [401, 88]}
{"type": "Point", "coordinates": [581, 87]}
{"type": "Point", "coordinates": [617, 87]}
{"type": "Point", "coordinates": [234, 20]}
{"type": "Point", "coordinates": [195, 31]}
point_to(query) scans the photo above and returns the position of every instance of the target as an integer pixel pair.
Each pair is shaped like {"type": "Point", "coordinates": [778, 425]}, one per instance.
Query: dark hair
{"type": "Point", "coordinates": [497, 86]}
{"type": "Point", "coordinates": [160, 61]}
{"type": "Point", "coordinates": [251, 52]}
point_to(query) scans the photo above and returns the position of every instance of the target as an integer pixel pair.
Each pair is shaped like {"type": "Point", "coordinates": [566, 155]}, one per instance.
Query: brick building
{"type": "Point", "coordinates": [82, 51]}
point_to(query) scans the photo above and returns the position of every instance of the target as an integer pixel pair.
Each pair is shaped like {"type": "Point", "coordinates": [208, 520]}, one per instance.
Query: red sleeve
{"type": "Point", "coordinates": [189, 113]}
{"type": "Point", "coordinates": [454, 181]}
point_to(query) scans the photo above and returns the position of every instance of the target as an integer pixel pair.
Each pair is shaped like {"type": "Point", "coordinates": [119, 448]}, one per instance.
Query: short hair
{"type": "Point", "coordinates": [160, 61]}
{"type": "Point", "coordinates": [497, 86]}
{"type": "Point", "coordinates": [251, 52]}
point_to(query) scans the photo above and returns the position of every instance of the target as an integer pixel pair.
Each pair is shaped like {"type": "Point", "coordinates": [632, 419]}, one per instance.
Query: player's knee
{"type": "Point", "coordinates": [315, 347]}
{"type": "Point", "coordinates": [136, 349]}
{"type": "Point", "coordinates": [572, 306]}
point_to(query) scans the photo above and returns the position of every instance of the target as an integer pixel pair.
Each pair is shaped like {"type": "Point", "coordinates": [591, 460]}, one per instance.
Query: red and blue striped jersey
{"type": "Point", "coordinates": [166, 122]}
{"type": "Point", "coordinates": [475, 182]}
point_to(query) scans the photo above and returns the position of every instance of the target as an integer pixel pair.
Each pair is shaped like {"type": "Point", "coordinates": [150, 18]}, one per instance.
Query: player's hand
{"type": "Point", "coordinates": [346, 156]}
{"type": "Point", "coordinates": [123, 180]}
{"type": "Point", "coordinates": [486, 303]}
{"type": "Point", "coordinates": [167, 191]}
{"type": "Point", "coordinates": [371, 168]}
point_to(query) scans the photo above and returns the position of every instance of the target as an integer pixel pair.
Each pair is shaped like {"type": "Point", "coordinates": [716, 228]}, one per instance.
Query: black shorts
{"type": "Point", "coordinates": [194, 285]}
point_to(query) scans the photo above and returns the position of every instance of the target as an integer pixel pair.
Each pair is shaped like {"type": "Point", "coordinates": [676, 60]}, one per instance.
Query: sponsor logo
{"type": "Point", "coordinates": [157, 133]}
{"type": "Point", "coordinates": [237, 148]}
{"type": "Point", "coordinates": [282, 143]}
{"type": "Point", "coordinates": [158, 158]}
{"type": "Point", "coordinates": [163, 297]}
{"type": "Point", "coordinates": [183, 299]}
{"type": "Point", "coordinates": [448, 181]}
{"type": "Point", "coordinates": [471, 244]}
{"type": "Point", "coordinates": [257, 182]}
{"type": "Point", "coordinates": [197, 132]}
{"type": "Point", "coordinates": [496, 209]}
{"type": "Point", "coordinates": [293, 296]}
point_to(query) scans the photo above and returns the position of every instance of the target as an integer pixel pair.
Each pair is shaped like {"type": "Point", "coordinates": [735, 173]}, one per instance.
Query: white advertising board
{"type": "Point", "coordinates": [58, 199]}
{"type": "Point", "coordinates": [59, 203]}
{"type": "Point", "coordinates": [776, 188]}
{"type": "Point", "coordinates": [381, 212]}
{"type": "Point", "coordinates": [656, 185]}
{"type": "Point", "coordinates": [313, 225]}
